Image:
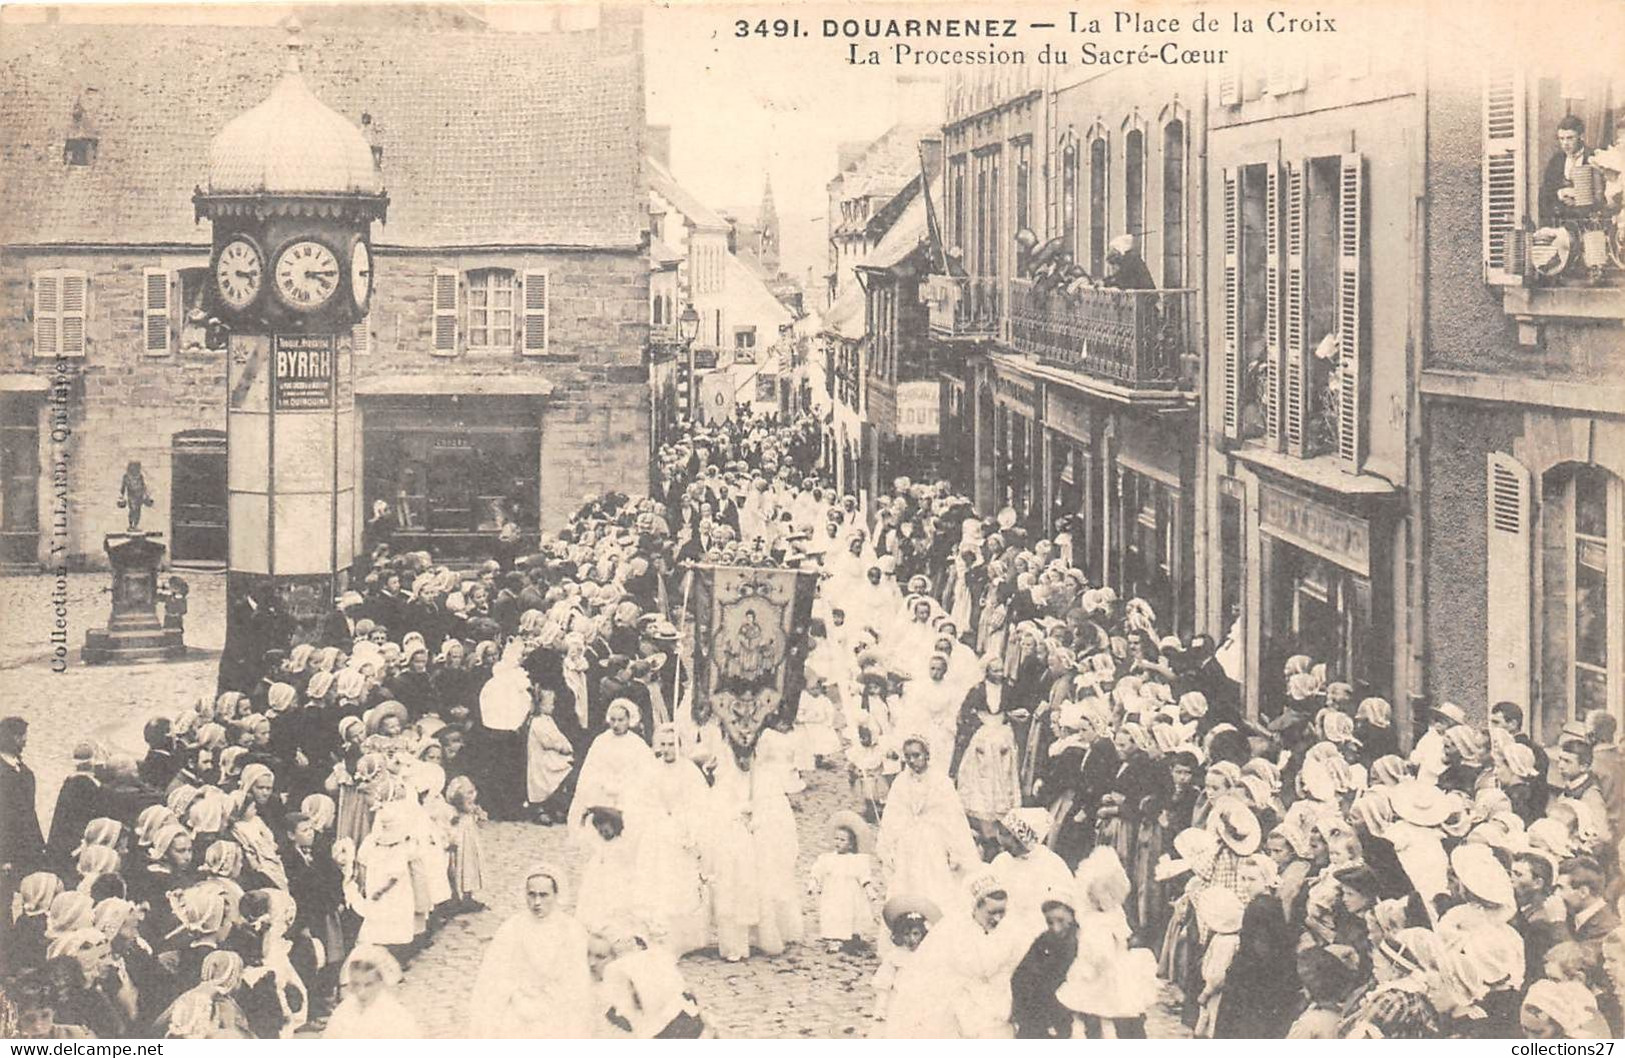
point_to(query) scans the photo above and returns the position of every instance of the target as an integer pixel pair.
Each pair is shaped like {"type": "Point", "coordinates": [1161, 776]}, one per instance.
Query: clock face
{"type": "Point", "coordinates": [239, 273]}
{"type": "Point", "coordinates": [307, 275]}
{"type": "Point", "coordinates": [360, 274]}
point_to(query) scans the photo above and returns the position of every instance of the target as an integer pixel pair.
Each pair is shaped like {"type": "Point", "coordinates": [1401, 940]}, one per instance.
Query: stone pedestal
{"type": "Point", "coordinates": [134, 631]}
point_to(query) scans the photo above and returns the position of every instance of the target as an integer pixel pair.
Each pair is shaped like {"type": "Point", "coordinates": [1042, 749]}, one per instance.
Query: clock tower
{"type": "Point", "coordinates": [292, 193]}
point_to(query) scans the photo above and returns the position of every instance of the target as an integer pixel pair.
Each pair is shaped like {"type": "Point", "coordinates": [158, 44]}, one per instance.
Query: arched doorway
{"type": "Point", "coordinates": [197, 501]}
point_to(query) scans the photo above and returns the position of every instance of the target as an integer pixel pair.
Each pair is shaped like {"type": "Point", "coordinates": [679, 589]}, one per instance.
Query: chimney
{"type": "Point", "coordinates": [659, 145]}
{"type": "Point", "coordinates": [918, 100]}
{"type": "Point", "coordinates": [847, 154]}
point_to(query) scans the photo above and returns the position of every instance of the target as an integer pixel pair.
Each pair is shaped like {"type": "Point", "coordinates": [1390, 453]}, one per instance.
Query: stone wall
{"type": "Point", "coordinates": [125, 404]}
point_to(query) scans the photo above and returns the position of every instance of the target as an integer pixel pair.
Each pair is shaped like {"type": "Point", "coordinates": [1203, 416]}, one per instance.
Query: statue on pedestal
{"type": "Point", "coordinates": [133, 495]}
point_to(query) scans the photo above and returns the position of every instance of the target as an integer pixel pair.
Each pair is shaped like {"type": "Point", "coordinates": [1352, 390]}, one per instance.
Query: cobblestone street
{"type": "Point", "coordinates": [804, 993]}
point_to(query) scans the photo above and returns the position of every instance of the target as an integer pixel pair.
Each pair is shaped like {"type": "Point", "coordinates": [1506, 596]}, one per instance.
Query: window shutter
{"type": "Point", "coordinates": [73, 313]}
{"type": "Point", "coordinates": [445, 312]}
{"type": "Point", "coordinates": [1295, 392]}
{"type": "Point", "coordinates": [361, 337]}
{"type": "Point", "coordinates": [1272, 303]}
{"type": "Point", "coordinates": [1509, 564]}
{"type": "Point", "coordinates": [47, 313]}
{"type": "Point", "coordinates": [1278, 77]}
{"type": "Point", "coordinates": [155, 311]}
{"type": "Point", "coordinates": [1232, 303]}
{"type": "Point", "coordinates": [1230, 89]}
{"type": "Point", "coordinates": [536, 295]}
{"type": "Point", "coordinates": [1351, 438]}
{"type": "Point", "coordinates": [1504, 180]}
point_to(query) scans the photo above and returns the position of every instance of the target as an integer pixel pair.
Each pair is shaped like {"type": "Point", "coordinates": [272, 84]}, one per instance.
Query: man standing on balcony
{"type": "Point", "coordinates": [1125, 269]}
{"type": "Point", "coordinates": [1557, 181]}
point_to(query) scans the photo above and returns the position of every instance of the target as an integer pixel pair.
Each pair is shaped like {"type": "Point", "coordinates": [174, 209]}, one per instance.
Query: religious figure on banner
{"type": "Point", "coordinates": [747, 627]}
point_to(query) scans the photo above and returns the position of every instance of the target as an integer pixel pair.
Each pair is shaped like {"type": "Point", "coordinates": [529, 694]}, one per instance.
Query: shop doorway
{"type": "Point", "coordinates": [197, 503]}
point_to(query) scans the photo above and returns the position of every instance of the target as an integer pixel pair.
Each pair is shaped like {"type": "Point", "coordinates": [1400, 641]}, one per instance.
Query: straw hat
{"type": "Point", "coordinates": [1237, 826]}
{"type": "Point", "coordinates": [1421, 803]}
{"type": "Point", "coordinates": [851, 821]}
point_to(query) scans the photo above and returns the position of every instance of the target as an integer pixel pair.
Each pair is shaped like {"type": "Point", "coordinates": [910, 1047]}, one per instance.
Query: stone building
{"type": "Point", "coordinates": [502, 366]}
{"type": "Point", "coordinates": [1523, 466]}
{"type": "Point", "coordinates": [1072, 405]}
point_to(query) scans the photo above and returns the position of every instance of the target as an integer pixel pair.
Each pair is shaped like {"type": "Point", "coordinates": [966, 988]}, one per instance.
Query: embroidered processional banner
{"type": "Point", "coordinates": [750, 640]}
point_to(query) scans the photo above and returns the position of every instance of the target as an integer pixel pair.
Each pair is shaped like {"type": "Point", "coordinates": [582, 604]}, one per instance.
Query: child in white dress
{"type": "Point", "coordinates": [467, 855]}
{"type": "Point", "coordinates": [387, 906]}
{"type": "Point", "coordinates": [866, 762]}
{"type": "Point", "coordinates": [843, 881]}
{"type": "Point", "coordinates": [907, 920]}
{"type": "Point", "coordinates": [1218, 912]}
{"type": "Point", "coordinates": [610, 878]}
{"type": "Point", "coordinates": [817, 742]}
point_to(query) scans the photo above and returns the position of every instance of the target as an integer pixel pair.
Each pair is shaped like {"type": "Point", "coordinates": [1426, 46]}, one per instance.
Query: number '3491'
{"type": "Point", "coordinates": [778, 27]}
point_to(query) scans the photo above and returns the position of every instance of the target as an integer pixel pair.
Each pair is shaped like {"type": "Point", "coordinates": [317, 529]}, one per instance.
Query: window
{"type": "Point", "coordinates": [1022, 151]}
{"type": "Point", "coordinates": [79, 151]}
{"type": "Point", "coordinates": [1098, 161]}
{"type": "Point", "coordinates": [194, 317]}
{"type": "Point", "coordinates": [956, 184]}
{"type": "Point", "coordinates": [1582, 577]}
{"type": "Point", "coordinates": [1173, 205]}
{"type": "Point", "coordinates": [60, 297]}
{"type": "Point", "coordinates": [1254, 305]}
{"type": "Point", "coordinates": [490, 309]}
{"type": "Point", "coordinates": [1069, 198]}
{"type": "Point", "coordinates": [1134, 184]}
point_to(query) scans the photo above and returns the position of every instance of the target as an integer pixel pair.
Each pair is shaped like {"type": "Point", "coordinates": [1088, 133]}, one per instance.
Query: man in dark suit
{"type": "Point", "coordinates": [1581, 884]}
{"type": "Point", "coordinates": [22, 846]}
{"type": "Point", "coordinates": [78, 801]}
{"type": "Point", "coordinates": [338, 627]}
{"type": "Point", "coordinates": [1558, 176]}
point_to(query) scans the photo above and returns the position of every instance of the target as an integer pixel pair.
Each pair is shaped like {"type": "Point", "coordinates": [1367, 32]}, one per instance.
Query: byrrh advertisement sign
{"type": "Point", "coordinates": [304, 371]}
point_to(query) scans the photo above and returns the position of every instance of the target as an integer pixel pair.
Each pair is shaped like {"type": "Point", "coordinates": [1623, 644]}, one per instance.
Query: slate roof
{"type": "Point", "coordinates": [490, 138]}
{"type": "Point", "coordinates": [682, 200]}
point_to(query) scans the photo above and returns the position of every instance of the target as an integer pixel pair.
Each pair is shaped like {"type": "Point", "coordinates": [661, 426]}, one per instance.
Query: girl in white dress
{"type": "Point", "coordinates": [843, 881]}
{"type": "Point", "coordinates": [387, 909]}
{"type": "Point", "coordinates": [673, 848]}
{"type": "Point", "coordinates": [617, 769]}
{"type": "Point", "coordinates": [755, 893]}
{"type": "Point", "coordinates": [610, 879]}
{"type": "Point", "coordinates": [925, 841]}
{"type": "Point", "coordinates": [370, 1009]}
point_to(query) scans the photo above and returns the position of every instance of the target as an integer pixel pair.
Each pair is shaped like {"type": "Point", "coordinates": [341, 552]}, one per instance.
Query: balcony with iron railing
{"type": "Point", "coordinates": [1138, 339]}
{"type": "Point", "coordinates": [964, 307]}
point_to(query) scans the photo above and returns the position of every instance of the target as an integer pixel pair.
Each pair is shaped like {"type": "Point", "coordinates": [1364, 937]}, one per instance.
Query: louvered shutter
{"type": "Point", "coordinates": [1295, 391]}
{"type": "Point", "coordinates": [1232, 303]}
{"type": "Point", "coordinates": [1230, 89]}
{"type": "Point", "coordinates": [361, 337]}
{"type": "Point", "coordinates": [1504, 181]}
{"type": "Point", "coordinates": [47, 313]}
{"type": "Point", "coordinates": [1272, 305]}
{"type": "Point", "coordinates": [73, 313]}
{"type": "Point", "coordinates": [536, 294]}
{"type": "Point", "coordinates": [1509, 565]}
{"type": "Point", "coordinates": [445, 312]}
{"type": "Point", "coordinates": [1351, 437]}
{"type": "Point", "coordinates": [155, 311]}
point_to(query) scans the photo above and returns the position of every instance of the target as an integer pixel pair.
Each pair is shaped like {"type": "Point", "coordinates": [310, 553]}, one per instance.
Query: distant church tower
{"type": "Point", "coordinates": [767, 231]}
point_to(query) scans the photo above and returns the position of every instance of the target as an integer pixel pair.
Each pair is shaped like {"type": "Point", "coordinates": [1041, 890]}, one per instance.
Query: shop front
{"type": "Point", "coordinates": [1076, 477]}
{"type": "Point", "coordinates": [1016, 448]}
{"type": "Point", "coordinates": [445, 474]}
{"type": "Point", "coordinates": [1323, 592]}
{"type": "Point", "coordinates": [1151, 554]}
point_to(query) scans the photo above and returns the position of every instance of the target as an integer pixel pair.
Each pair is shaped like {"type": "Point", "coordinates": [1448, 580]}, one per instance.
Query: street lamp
{"type": "Point", "coordinates": [688, 324]}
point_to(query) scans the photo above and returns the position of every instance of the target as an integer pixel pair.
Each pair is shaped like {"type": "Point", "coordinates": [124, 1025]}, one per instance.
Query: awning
{"type": "Point", "coordinates": [22, 382]}
{"type": "Point", "coordinates": [454, 386]}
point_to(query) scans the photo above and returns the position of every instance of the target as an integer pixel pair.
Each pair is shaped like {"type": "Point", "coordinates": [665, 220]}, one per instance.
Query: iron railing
{"type": "Point", "coordinates": [1139, 338]}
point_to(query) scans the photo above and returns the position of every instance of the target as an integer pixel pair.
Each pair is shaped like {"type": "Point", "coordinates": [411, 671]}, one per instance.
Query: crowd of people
{"type": "Point", "coordinates": [1058, 813]}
